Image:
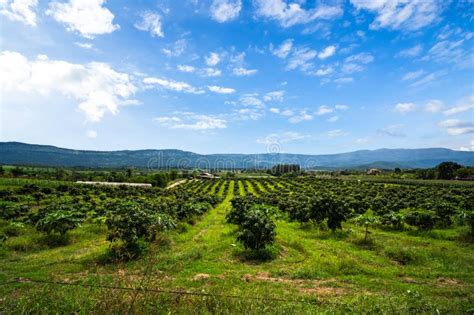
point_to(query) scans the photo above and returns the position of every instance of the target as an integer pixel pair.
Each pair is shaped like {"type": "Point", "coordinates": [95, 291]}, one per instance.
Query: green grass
{"type": "Point", "coordinates": [314, 271]}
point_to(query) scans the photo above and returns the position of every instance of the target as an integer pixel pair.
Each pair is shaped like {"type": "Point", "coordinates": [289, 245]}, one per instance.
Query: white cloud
{"type": "Point", "coordinates": [433, 106]}
{"type": "Point", "coordinates": [300, 58]}
{"type": "Point", "coordinates": [333, 119]}
{"type": "Point", "coordinates": [427, 79]}
{"type": "Point", "coordinates": [213, 59]}
{"type": "Point", "coordinates": [401, 14]}
{"type": "Point", "coordinates": [210, 72]}
{"type": "Point", "coordinates": [404, 108]}
{"type": "Point", "coordinates": [274, 96]}
{"type": "Point", "coordinates": [327, 52]}
{"type": "Point", "coordinates": [20, 10]}
{"type": "Point", "coordinates": [469, 147]}
{"type": "Point", "coordinates": [337, 133]}
{"type": "Point", "coordinates": [151, 22]}
{"type": "Point", "coordinates": [251, 100]}
{"type": "Point", "coordinates": [301, 116]}
{"type": "Point", "coordinates": [89, 18]}
{"type": "Point", "coordinates": [84, 45]}
{"type": "Point", "coordinates": [464, 105]}
{"type": "Point", "coordinates": [352, 68]}
{"type": "Point", "coordinates": [275, 110]}
{"type": "Point", "coordinates": [448, 52]}
{"type": "Point", "coordinates": [364, 58]}
{"type": "Point", "coordinates": [283, 50]}
{"type": "Point", "coordinates": [323, 110]}
{"type": "Point", "coordinates": [92, 134]}
{"type": "Point", "coordinates": [285, 137]}
{"type": "Point", "coordinates": [456, 127]}
{"type": "Point", "coordinates": [96, 86]}
{"type": "Point", "coordinates": [413, 75]}
{"type": "Point", "coordinates": [249, 113]}
{"type": "Point", "coordinates": [175, 49]}
{"type": "Point", "coordinates": [392, 131]}
{"type": "Point", "coordinates": [244, 72]}
{"type": "Point", "coordinates": [344, 80]}
{"type": "Point", "coordinates": [192, 121]}
{"type": "Point", "coordinates": [289, 14]}
{"type": "Point", "coordinates": [225, 10]}
{"type": "Point", "coordinates": [186, 68]}
{"type": "Point", "coordinates": [172, 85]}
{"type": "Point", "coordinates": [411, 52]}
{"type": "Point", "coordinates": [341, 107]}
{"type": "Point", "coordinates": [324, 71]}
{"type": "Point", "coordinates": [220, 90]}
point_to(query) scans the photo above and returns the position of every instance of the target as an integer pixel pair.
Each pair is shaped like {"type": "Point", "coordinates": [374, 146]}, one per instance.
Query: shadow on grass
{"type": "Point", "coordinates": [257, 256]}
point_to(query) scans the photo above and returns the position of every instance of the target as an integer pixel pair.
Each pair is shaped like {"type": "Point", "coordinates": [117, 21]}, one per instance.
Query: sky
{"type": "Point", "coordinates": [238, 76]}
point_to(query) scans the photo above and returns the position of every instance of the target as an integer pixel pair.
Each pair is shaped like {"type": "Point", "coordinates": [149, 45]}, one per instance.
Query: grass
{"type": "Point", "coordinates": [313, 271]}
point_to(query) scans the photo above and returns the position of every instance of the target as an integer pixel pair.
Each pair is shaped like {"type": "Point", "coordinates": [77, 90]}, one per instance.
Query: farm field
{"type": "Point", "coordinates": [338, 246]}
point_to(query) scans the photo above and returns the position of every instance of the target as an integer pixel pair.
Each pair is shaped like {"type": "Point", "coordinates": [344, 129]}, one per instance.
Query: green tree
{"type": "Point", "coordinates": [447, 170]}
{"type": "Point", "coordinates": [257, 229]}
{"type": "Point", "coordinates": [366, 220]}
{"type": "Point", "coordinates": [59, 221]}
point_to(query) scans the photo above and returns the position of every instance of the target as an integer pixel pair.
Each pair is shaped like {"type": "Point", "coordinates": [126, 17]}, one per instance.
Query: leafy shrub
{"type": "Point", "coordinates": [331, 208]}
{"type": "Point", "coordinates": [422, 219]}
{"type": "Point", "coordinates": [443, 211]}
{"type": "Point", "coordinates": [12, 211]}
{"type": "Point", "coordinates": [129, 224]}
{"type": "Point", "coordinates": [257, 230]}
{"type": "Point", "coordinates": [240, 207]}
{"type": "Point", "coordinates": [394, 220]}
{"type": "Point", "coordinates": [59, 221]}
{"type": "Point", "coordinates": [366, 220]}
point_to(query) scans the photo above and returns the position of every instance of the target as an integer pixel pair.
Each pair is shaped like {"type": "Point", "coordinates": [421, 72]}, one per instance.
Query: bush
{"type": "Point", "coordinates": [130, 224]}
{"type": "Point", "coordinates": [394, 220]}
{"type": "Point", "coordinates": [422, 219]}
{"type": "Point", "coordinates": [59, 221]}
{"type": "Point", "coordinates": [240, 207]}
{"type": "Point", "coordinates": [257, 230]}
{"type": "Point", "coordinates": [366, 220]}
{"type": "Point", "coordinates": [331, 208]}
{"type": "Point", "coordinates": [467, 218]}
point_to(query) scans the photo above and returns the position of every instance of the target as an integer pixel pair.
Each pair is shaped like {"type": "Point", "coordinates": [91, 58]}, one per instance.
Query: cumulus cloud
{"type": "Point", "coordinates": [301, 58]}
{"type": "Point", "coordinates": [244, 72]}
{"type": "Point", "coordinates": [457, 127]}
{"type": "Point", "coordinates": [401, 14]}
{"type": "Point", "coordinates": [333, 119]}
{"type": "Point", "coordinates": [20, 10]}
{"type": "Point", "coordinates": [251, 100]}
{"type": "Point", "coordinates": [468, 147]}
{"type": "Point", "coordinates": [191, 121]}
{"type": "Point", "coordinates": [88, 18]}
{"type": "Point", "coordinates": [300, 117]}
{"type": "Point", "coordinates": [283, 50]}
{"type": "Point", "coordinates": [172, 85]}
{"type": "Point", "coordinates": [186, 68]}
{"type": "Point", "coordinates": [96, 86]}
{"type": "Point", "coordinates": [289, 14]}
{"type": "Point", "coordinates": [213, 59]}
{"type": "Point", "coordinates": [220, 90]}
{"type": "Point", "coordinates": [274, 96]}
{"type": "Point", "coordinates": [176, 48]}
{"type": "Point", "coordinates": [151, 22]}
{"type": "Point", "coordinates": [323, 110]}
{"type": "Point", "coordinates": [433, 106]}
{"type": "Point", "coordinates": [225, 10]}
{"type": "Point", "coordinates": [404, 108]}
{"type": "Point", "coordinates": [324, 71]}
{"type": "Point", "coordinates": [327, 52]}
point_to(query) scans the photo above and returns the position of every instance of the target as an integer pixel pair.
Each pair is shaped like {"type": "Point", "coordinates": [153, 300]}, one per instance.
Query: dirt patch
{"type": "Point", "coordinates": [409, 280]}
{"type": "Point", "coordinates": [448, 283]}
{"type": "Point", "coordinates": [323, 291]}
{"type": "Point", "coordinates": [201, 276]}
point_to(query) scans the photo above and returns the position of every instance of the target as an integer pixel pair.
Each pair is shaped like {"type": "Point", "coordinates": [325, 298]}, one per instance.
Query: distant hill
{"type": "Point", "coordinates": [16, 153]}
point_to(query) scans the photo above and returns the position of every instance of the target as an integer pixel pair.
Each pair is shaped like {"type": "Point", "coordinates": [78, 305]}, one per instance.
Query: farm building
{"type": "Point", "coordinates": [374, 171]}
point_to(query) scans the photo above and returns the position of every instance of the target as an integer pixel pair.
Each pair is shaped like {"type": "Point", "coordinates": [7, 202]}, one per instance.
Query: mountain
{"type": "Point", "coordinates": [16, 153]}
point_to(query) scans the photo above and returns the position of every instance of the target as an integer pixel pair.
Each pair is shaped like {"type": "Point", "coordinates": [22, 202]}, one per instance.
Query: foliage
{"type": "Point", "coordinates": [257, 230]}
{"type": "Point", "coordinates": [366, 220]}
{"type": "Point", "coordinates": [59, 221]}
{"type": "Point", "coordinates": [422, 219]}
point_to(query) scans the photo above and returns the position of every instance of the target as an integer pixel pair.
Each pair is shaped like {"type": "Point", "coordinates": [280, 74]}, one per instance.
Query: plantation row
{"type": "Point", "coordinates": [132, 215]}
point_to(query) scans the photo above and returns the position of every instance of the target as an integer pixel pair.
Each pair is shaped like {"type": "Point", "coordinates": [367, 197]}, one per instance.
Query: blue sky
{"type": "Point", "coordinates": [238, 76]}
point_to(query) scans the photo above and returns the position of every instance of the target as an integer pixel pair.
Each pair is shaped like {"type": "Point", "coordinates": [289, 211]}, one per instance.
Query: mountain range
{"type": "Point", "coordinates": [16, 153]}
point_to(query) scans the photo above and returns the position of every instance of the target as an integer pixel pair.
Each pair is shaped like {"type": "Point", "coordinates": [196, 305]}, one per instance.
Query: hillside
{"type": "Point", "coordinates": [15, 153]}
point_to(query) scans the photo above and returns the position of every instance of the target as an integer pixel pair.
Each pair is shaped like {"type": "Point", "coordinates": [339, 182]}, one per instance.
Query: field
{"type": "Point", "coordinates": [195, 264]}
